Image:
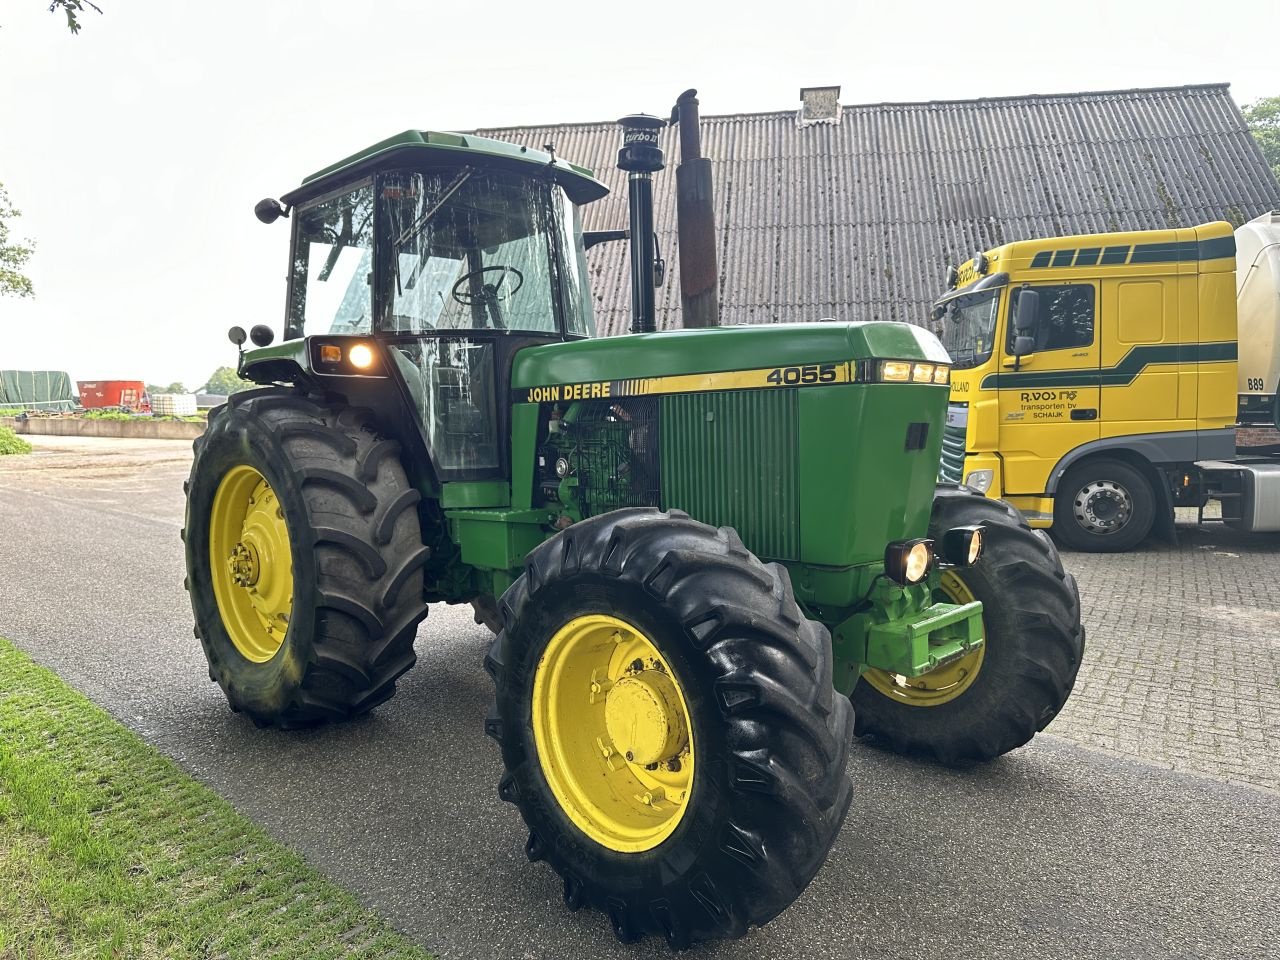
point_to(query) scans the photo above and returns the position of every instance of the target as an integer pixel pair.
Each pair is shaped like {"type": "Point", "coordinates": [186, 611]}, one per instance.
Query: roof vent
{"type": "Point", "coordinates": [819, 105]}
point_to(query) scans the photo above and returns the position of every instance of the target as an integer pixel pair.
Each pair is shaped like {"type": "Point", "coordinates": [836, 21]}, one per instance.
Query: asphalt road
{"type": "Point", "coordinates": [1057, 850]}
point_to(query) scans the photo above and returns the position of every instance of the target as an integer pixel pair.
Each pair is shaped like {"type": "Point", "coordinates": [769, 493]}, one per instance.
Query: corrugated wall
{"type": "Point", "coordinates": [859, 220]}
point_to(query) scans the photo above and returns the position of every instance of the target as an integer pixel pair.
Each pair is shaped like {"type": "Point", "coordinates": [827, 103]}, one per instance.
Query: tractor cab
{"type": "Point", "coordinates": [432, 259]}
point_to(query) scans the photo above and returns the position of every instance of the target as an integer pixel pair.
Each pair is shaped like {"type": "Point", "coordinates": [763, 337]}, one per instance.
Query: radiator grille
{"type": "Point", "coordinates": [951, 466]}
{"type": "Point", "coordinates": [728, 459]}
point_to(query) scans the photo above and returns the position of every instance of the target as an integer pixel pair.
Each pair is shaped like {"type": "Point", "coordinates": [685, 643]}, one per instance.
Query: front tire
{"type": "Point", "coordinates": [304, 558]}
{"type": "Point", "coordinates": [1103, 506]}
{"type": "Point", "coordinates": [645, 655]}
{"type": "Point", "coordinates": [1020, 677]}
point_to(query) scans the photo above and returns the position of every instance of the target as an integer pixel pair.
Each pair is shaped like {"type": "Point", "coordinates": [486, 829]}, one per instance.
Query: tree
{"type": "Point", "coordinates": [175, 387]}
{"type": "Point", "coordinates": [224, 382]}
{"type": "Point", "coordinates": [13, 256]}
{"type": "Point", "coordinates": [1263, 118]}
{"type": "Point", "coordinates": [73, 9]}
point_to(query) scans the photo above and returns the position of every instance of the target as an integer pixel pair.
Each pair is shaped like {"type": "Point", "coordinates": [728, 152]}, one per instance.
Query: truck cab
{"type": "Point", "coordinates": [1091, 375]}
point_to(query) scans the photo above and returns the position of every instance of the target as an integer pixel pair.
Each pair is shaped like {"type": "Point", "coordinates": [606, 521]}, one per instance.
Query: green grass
{"type": "Point", "coordinates": [11, 411]}
{"type": "Point", "coordinates": [109, 850]}
{"type": "Point", "coordinates": [118, 415]}
{"type": "Point", "coordinates": [10, 442]}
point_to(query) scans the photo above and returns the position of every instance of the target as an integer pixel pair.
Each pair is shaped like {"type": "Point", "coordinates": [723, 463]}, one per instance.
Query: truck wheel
{"type": "Point", "coordinates": [998, 697]}
{"type": "Point", "coordinates": [668, 726]}
{"type": "Point", "coordinates": [304, 558]}
{"type": "Point", "coordinates": [1103, 506]}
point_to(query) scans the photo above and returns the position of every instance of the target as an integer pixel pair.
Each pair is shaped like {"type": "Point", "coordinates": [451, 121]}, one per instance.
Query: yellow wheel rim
{"type": "Point", "coordinates": [251, 564]}
{"type": "Point", "coordinates": [939, 686]}
{"type": "Point", "coordinates": [613, 733]}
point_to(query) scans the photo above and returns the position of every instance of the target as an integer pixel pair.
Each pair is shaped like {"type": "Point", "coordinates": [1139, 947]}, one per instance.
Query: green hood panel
{"type": "Point", "coordinates": [739, 347]}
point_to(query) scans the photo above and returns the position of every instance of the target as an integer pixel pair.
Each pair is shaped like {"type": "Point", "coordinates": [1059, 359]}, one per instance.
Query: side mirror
{"type": "Point", "coordinates": [1023, 345]}
{"type": "Point", "coordinates": [237, 335]}
{"type": "Point", "coordinates": [269, 210]}
{"type": "Point", "coordinates": [1027, 317]}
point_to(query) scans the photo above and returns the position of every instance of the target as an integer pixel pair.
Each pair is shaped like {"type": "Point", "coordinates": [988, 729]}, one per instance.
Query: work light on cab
{"type": "Point", "coordinates": [907, 562]}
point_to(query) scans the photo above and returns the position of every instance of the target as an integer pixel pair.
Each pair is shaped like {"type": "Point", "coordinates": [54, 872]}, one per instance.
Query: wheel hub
{"type": "Point", "coordinates": [243, 564]}
{"type": "Point", "coordinates": [644, 719]}
{"type": "Point", "coordinates": [1102, 507]}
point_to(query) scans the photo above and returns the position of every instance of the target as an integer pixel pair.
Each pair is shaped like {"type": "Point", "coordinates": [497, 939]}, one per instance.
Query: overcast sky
{"type": "Point", "coordinates": [137, 149]}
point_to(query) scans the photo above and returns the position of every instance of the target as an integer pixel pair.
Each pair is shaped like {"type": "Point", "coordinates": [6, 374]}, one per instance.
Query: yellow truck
{"type": "Point", "coordinates": [1098, 380]}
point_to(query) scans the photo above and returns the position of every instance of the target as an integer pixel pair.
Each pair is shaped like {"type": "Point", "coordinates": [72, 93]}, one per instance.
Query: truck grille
{"type": "Point", "coordinates": [951, 465]}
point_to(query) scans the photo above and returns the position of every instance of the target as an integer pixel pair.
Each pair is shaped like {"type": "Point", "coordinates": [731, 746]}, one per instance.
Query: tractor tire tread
{"type": "Point", "coordinates": [367, 549]}
{"type": "Point", "coordinates": [1040, 607]}
{"type": "Point", "coordinates": [787, 736]}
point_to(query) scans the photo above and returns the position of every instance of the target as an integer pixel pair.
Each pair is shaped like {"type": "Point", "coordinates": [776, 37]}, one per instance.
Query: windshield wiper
{"type": "Point", "coordinates": [415, 229]}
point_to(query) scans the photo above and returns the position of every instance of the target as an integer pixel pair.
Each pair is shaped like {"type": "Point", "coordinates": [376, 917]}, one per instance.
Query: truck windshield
{"type": "Point", "coordinates": [969, 326]}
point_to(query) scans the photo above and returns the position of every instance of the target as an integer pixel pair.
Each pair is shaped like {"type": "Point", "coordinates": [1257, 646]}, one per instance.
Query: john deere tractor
{"type": "Point", "coordinates": [706, 552]}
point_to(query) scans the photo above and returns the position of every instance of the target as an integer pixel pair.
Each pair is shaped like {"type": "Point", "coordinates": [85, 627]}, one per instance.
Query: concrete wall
{"type": "Point", "coordinates": [120, 429]}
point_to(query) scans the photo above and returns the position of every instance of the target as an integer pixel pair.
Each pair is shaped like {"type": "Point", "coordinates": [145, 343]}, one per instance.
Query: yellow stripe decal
{"type": "Point", "coordinates": [804, 375]}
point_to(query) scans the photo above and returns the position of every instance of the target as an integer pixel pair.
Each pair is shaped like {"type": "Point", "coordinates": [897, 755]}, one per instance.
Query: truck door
{"type": "Point", "coordinates": [1049, 404]}
{"type": "Point", "coordinates": [1145, 379]}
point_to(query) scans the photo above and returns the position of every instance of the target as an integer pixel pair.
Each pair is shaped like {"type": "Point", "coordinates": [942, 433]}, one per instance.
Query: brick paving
{"type": "Point", "coordinates": [1182, 666]}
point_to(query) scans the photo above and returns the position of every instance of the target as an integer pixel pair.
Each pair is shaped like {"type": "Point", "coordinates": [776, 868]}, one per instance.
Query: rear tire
{"type": "Point", "coordinates": [355, 558]}
{"type": "Point", "coordinates": [1032, 650]}
{"type": "Point", "coordinates": [769, 738]}
{"type": "Point", "coordinates": [1103, 506]}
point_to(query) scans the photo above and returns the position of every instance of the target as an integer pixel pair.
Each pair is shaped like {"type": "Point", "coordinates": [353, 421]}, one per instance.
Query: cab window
{"type": "Point", "coordinates": [1066, 317]}
{"type": "Point", "coordinates": [329, 288]}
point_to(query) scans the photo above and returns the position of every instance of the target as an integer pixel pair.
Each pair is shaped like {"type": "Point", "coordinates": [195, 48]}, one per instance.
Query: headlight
{"type": "Point", "coordinates": [895, 370]}
{"type": "Point", "coordinates": [360, 356]}
{"type": "Point", "coordinates": [903, 371]}
{"type": "Point", "coordinates": [980, 480]}
{"type": "Point", "coordinates": [962, 546]}
{"type": "Point", "coordinates": [908, 561]}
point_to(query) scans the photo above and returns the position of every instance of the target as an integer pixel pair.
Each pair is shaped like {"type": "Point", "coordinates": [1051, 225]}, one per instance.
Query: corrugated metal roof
{"type": "Point", "coordinates": [860, 219]}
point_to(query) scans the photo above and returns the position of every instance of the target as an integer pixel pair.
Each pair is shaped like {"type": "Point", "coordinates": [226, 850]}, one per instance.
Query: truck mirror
{"type": "Point", "coordinates": [1023, 345]}
{"type": "Point", "coordinates": [1028, 312]}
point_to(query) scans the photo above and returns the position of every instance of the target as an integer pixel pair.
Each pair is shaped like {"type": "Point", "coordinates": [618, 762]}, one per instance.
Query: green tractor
{"type": "Point", "coordinates": [712, 556]}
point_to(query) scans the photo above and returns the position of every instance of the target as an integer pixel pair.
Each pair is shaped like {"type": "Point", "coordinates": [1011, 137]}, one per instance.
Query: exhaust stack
{"type": "Point", "coordinates": [696, 221]}
{"type": "Point", "coordinates": [641, 157]}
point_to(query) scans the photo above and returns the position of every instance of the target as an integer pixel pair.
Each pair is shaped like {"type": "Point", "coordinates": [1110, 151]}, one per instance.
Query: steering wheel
{"type": "Point", "coordinates": [489, 292]}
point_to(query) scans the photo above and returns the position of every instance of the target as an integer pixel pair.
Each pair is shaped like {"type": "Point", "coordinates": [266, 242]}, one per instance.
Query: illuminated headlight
{"type": "Point", "coordinates": [361, 356]}
{"type": "Point", "coordinates": [980, 480]}
{"type": "Point", "coordinates": [962, 546]}
{"type": "Point", "coordinates": [908, 561]}
{"type": "Point", "coordinates": [905, 371]}
{"type": "Point", "coordinates": [899, 370]}
{"type": "Point", "coordinates": [922, 372]}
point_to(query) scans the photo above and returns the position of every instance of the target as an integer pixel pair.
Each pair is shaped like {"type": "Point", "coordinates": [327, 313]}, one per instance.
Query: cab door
{"type": "Point", "coordinates": [1049, 399]}
{"type": "Point", "coordinates": [1146, 375]}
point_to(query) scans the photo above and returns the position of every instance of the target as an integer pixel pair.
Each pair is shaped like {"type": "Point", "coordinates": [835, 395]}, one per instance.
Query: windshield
{"type": "Point", "coordinates": [968, 327]}
{"type": "Point", "coordinates": [474, 250]}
